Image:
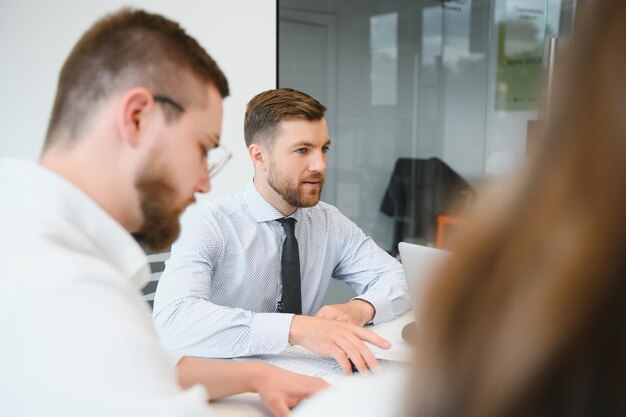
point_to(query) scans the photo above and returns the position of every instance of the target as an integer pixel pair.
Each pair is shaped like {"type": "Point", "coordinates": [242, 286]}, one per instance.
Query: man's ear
{"type": "Point", "coordinates": [132, 113]}
{"type": "Point", "coordinates": [258, 155]}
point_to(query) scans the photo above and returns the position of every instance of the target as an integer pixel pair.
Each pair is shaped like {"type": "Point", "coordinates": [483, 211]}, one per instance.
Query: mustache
{"type": "Point", "coordinates": [316, 176]}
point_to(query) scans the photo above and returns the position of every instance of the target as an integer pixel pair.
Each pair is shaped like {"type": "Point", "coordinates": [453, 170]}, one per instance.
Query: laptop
{"type": "Point", "coordinates": [420, 265]}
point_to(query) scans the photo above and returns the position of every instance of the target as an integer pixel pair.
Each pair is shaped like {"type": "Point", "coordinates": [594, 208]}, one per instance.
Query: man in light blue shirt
{"type": "Point", "coordinates": [221, 292]}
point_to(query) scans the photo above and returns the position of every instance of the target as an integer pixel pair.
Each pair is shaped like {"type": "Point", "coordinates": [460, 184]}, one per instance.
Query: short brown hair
{"type": "Point", "coordinates": [126, 49]}
{"type": "Point", "coordinates": [267, 109]}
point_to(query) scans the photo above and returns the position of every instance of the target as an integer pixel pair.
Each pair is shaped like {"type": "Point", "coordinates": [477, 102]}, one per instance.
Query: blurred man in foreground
{"type": "Point", "coordinates": [138, 107]}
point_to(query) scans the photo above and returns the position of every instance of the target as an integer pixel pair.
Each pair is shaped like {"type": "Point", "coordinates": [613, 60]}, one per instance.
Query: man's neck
{"type": "Point", "coordinates": [272, 197]}
{"type": "Point", "coordinates": [96, 177]}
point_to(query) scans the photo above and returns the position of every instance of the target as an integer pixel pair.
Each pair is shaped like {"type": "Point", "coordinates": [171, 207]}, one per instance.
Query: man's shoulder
{"type": "Point", "coordinates": [222, 207]}
{"type": "Point", "coordinates": [331, 219]}
{"type": "Point", "coordinates": [53, 257]}
{"type": "Point", "coordinates": [45, 266]}
{"type": "Point", "coordinates": [220, 216]}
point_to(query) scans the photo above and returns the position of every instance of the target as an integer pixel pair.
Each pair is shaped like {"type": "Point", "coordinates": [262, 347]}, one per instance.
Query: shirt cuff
{"type": "Point", "coordinates": [269, 332]}
{"type": "Point", "coordinates": [384, 310]}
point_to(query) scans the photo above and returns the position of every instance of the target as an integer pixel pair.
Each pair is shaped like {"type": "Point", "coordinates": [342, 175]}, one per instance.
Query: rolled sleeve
{"type": "Point", "coordinates": [376, 276]}
{"type": "Point", "coordinates": [384, 308]}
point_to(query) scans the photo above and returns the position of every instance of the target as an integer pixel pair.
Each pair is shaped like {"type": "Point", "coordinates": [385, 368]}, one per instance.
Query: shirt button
{"type": "Point", "coordinates": [269, 346]}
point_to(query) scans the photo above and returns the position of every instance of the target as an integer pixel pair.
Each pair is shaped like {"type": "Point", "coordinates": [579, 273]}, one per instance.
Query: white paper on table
{"type": "Point", "coordinates": [302, 361]}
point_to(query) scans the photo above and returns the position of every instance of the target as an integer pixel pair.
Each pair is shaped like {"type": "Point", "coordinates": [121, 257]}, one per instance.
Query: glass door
{"type": "Point", "coordinates": [528, 36]}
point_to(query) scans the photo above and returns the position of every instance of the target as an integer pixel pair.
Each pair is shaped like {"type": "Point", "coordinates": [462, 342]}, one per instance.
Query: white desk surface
{"type": "Point", "coordinates": [241, 405]}
{"type": "Point", "coordinates": [249, 404]}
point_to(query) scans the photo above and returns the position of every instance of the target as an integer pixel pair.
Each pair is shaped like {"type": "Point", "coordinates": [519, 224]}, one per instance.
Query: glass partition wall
{"type": "Point", "coordinates": [426, 99]}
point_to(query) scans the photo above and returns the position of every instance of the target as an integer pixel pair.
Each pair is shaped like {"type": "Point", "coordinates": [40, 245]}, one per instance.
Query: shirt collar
{"type": "Point", "coordinates": [261, 210]}
{"type": "Point", "coordinates": [53, 195]}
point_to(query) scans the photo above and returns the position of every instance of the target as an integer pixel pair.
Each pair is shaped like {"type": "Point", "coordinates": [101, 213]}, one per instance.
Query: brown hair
{"type": "Point", "coordinates": [267, 109]}
{"type": "Point", "coordinates": [126, 49]}
{"type": "Point", "coordinates": [529, 316]}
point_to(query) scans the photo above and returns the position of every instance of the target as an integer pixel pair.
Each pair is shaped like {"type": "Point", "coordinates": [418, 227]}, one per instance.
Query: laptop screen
{"type": "Point", "coordinates": [420, 264]}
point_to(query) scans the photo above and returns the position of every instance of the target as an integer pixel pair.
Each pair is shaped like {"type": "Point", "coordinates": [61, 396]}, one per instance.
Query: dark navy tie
{"type": "Point", "coordinates": [291, 301]}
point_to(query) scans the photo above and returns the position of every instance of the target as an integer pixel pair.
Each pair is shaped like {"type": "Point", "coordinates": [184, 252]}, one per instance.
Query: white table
{"type": "Point", "coordinates": [241, 405]}
{"type": "Point", "coordinates": [249, 404]}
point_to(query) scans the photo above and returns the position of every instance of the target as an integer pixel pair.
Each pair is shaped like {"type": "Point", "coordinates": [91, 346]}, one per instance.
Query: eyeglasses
{"type": "Point", "coordinates": [216, 157]}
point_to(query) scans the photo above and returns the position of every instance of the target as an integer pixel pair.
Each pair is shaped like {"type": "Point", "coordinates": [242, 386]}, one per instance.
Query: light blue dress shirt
{"type": "Point", "coordinates": [218, 294]}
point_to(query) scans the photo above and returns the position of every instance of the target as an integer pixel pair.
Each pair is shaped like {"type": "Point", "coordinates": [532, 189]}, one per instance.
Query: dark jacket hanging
{"type": "Point", "coordinates": [418, 191]}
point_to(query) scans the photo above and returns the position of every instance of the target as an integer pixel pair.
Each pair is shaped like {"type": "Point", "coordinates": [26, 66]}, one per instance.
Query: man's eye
{"type": "Point", "coordinates": [301, 150]}
{"type": "Point", "coordinates": [325, 149]}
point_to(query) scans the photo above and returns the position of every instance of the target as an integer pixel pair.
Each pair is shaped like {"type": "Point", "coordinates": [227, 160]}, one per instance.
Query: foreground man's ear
{"type": "Point", "coordinates": [134, 106]}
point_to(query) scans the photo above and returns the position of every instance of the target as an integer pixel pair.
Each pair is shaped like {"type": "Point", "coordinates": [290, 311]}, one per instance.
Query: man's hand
{"type": "Point", "coordinates": [282, 390]}
{"type": "Point", "coordinates": [279, 390]}
{"type": "Point", "coordinates": [341, 340]}
{"type": "Point", "coordinates": [357, 312]}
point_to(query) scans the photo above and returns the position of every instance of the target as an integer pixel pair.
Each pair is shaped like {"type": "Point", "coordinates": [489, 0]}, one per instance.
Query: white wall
{"type": "Point", "coordinates": [36, 36]}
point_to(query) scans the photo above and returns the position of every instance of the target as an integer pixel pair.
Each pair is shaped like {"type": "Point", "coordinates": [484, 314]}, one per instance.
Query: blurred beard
{"type": "Point", "coordinates": [161, 224]}
{"type": "Point", "coordinates": [292, 193]}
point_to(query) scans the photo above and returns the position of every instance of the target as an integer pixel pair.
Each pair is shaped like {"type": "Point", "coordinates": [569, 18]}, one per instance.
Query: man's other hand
{"type": "Point", "coordinates": [282, 390]}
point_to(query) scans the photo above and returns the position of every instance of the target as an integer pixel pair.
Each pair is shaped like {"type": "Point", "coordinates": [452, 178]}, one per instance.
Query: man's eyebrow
{"type": "Point", "coordinates": [309, 144]}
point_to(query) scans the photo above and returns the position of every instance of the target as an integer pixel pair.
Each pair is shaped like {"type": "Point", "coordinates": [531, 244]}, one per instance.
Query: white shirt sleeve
{"type": "Point", "coordinates": [375, 275]}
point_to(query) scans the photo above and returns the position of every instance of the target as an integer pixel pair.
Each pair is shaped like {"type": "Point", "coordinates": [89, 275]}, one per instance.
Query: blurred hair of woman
{"type": "Point", "coordinates": [528, 317]}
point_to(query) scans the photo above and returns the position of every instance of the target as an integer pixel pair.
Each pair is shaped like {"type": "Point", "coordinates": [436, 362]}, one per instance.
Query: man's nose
{"type": "Point", "coordinates": [204, 184]}
{"type": "Point", "coordinates": [318, 162]}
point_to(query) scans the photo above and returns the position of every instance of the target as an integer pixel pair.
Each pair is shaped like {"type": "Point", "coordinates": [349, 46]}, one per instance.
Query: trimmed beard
{"type": "Point", "coordinates": [161, 224]}
{"type": "Point", "coordinates": [291, 193]}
